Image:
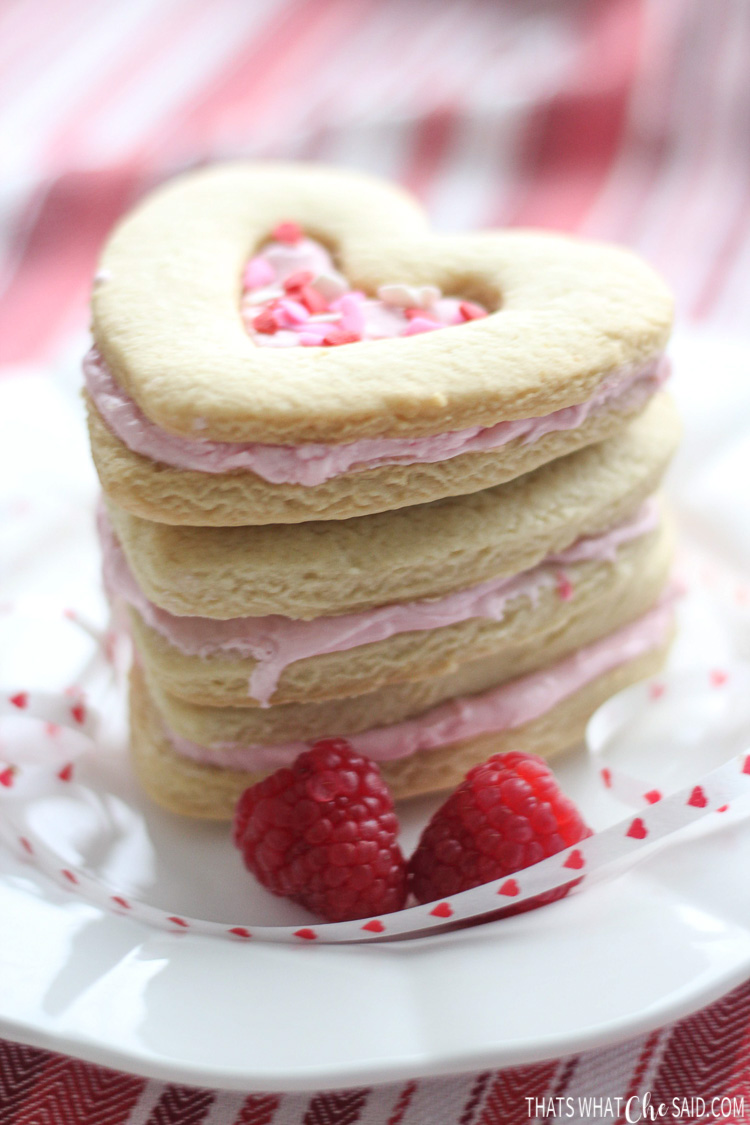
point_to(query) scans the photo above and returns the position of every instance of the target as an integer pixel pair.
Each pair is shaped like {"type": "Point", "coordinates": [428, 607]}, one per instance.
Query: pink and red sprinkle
{"type": "Point", "coordinates": [564, 586]}
{"type": "Point", "coordinates": [471, 311]}
{"type": "Point", "coordinates": [298, 280]}
{"type": "Point", "coordinates": [288, 232]}
{"type": "Point", "coordinates": [336, 336]}
{"type": "Point", "coordinates": [316, 321]}
{"type": "Point", "coordinates": [265, 322]}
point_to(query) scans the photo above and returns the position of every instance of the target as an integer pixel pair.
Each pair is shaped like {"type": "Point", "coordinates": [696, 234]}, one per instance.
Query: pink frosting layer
{"type": "Point", "coordinates": [503, 708]}
{"type": "Point", "coordinates": [314, 463]}
{"type": "Point", "coordinates": [275, 641]}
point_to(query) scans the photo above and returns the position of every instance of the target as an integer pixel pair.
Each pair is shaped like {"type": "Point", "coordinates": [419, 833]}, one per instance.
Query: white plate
{"type": "Point", "coordinates": [623, 957]}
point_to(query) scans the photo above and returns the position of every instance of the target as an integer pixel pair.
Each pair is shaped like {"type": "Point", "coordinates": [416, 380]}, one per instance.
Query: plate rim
{"type": "Point", "coordinates": [679, 1003]}
{"type": "Point", "coordinates": [151, 1067]}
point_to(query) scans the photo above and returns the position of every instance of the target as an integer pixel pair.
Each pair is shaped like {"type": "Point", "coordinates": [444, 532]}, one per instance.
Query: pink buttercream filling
{"type": "Point", "coordinates": [314, 463]}
{"type": "Point", "coordinates": [275, 641]}
{"type": "Point", "coordinates": [502, 708]}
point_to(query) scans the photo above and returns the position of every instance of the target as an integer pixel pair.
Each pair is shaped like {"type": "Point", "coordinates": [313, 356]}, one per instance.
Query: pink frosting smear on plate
{"type": "Point", "coordinates": [275, 641]}
{"type": "Point", "coordinates": [502, 708]}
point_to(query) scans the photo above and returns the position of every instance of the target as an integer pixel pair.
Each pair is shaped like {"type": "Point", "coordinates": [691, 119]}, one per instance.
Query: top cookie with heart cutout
{"type": "Point", "coordinates": [193, 422]}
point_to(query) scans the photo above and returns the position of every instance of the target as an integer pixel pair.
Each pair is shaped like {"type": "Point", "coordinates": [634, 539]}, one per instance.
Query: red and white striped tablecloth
{"type": "Point", "coordinates": [623, 119]}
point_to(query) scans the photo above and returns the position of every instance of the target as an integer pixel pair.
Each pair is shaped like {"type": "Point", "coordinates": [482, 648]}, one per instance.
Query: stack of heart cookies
{"type": "Point", "coordinates": [362, 480]}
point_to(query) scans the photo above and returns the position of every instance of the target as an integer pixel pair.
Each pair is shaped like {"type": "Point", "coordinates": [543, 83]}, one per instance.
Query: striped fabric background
{"type": "Point", "coordinates": [624, 119]}
{"type": "Point", "coordinates": [628, 119]}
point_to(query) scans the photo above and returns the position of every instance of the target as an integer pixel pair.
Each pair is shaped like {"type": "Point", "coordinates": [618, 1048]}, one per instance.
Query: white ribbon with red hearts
{"type": "Point", "coordinates": [621, 843]}
{"type": "Point", "coordinates": [66, 710]}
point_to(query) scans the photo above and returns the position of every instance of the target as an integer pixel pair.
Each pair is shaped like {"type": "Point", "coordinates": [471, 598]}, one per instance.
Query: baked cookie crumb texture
{"type": "Point", "coordinates": [363, 480]}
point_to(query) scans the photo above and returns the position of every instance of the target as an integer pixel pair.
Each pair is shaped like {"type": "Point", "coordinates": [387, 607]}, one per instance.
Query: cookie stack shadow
{"type": "Point", "coordinates": [432, 613]}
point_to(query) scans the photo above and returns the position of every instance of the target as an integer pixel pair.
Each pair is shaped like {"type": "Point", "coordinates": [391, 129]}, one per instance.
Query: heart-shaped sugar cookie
{"type": "Point", "coordinates": [192, 422]}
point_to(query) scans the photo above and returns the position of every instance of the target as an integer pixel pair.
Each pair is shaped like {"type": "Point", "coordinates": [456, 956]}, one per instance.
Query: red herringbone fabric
{"type": "Point", "coordinates": [704, 1056]}
{"type": "Point", "coordinates": [625, 119]}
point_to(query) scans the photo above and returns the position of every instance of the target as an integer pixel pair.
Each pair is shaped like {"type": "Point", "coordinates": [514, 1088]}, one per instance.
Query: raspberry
{"type": "Point", "coordinates": [323, 833]}
{"type": "Point", "coordinates": [507, 814]}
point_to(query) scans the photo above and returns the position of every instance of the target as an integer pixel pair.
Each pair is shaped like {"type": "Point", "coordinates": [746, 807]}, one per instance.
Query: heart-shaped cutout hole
{"type": "Point", "coordinates": [294, 295]}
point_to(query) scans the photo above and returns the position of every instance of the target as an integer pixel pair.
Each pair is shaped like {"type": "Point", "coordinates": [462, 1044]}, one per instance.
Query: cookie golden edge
{"type": "Point", "coordinates": [196, 790]}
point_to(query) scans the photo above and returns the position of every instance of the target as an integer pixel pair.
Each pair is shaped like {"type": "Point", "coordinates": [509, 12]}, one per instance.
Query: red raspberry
{"type": "Point", "coordinates": [507, 814]}
{"type": "Point", "coordinates": [323, 833]}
